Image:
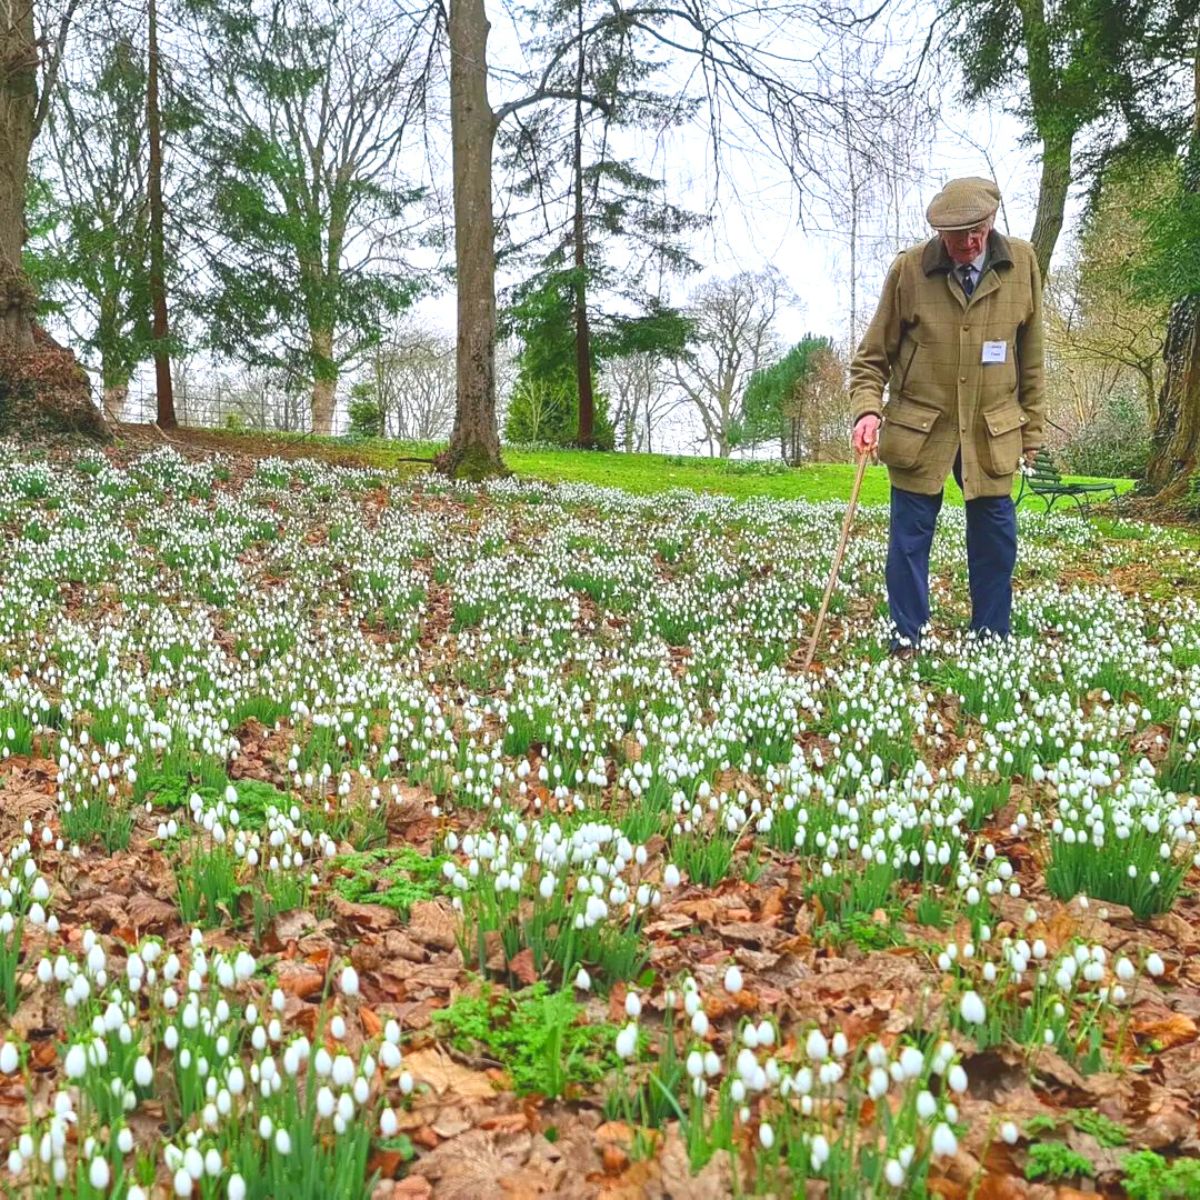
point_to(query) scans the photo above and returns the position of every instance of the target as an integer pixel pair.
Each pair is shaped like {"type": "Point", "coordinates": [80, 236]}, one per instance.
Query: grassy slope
{"type": "Point", "coordinates": [643, 474]}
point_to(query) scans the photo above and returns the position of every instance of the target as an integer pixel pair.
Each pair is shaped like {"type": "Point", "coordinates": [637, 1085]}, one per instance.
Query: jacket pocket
{"type": "Point", "coordinates": [1000, 448]}
{"type": "Point", "coordinates": [907, 425]}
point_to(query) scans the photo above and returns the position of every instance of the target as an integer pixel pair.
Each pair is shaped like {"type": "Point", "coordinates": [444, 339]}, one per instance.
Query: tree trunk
{"type": "Point", "coordinates": [160, 327]}
{"type": "Point", "coordinates": [1052, 197]}
{"type": "Point", "coordinates": [18, 105]}
{"type": "Point", "coordinates": [324, 382]}
{"type": "Point", "coordinates": [1176, 440]}
{"type": "Point", "coordinates": [586, 435]}
{"type": "Point", "coordinates": [1175, 443]}
{"type": "Point", "coordinates": [115, 395]}
{"type": "Point", "coordinates": [474, 449]}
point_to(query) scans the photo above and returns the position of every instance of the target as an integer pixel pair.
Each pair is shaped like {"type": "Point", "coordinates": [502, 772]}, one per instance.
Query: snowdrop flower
{"type": "Point", "coordinates": [818, 1152]}
{"type": "Point", "coordinates": [10, 1059]}
{"type": "Point", "coordinates": [944, 1143]}
{"type": "Point", "coordinates": [99, 1174]}
{"type": "Point", "coordinates": [349, 981]}
{"type": "Point", "coordinates": [912, 1062]}
{"type": "Point", "coordinates": [76, 1062]}
{"type": "Point", "coordinates": [583, 981]}
{"type": "Point", "coordinates": [816, 1047]}
{"type": "Point", "coordinates": [627, 1041]}
{"type": "Point", "coordinates": [1155, 966]}
{"type": "Point", "coordinates": [733, 980]}
{"type": "Point", "coordinates": [971, 1009]}
{"type": "Point", "coordinates": [633, 1006]}
{"type": "Point", "coordinates": [1009, 1133]}
{"type": "Point", "coordinates": [766, 1136]}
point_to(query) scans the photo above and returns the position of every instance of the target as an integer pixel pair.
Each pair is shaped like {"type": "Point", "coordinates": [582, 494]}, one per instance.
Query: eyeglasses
{"type": "Point", "coordinates": [984, 227]}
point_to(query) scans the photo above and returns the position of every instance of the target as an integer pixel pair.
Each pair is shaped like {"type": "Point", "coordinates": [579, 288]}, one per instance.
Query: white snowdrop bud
{"type": "Point", "coordinates": [99, 1174]}
{"type": "Point", "coordinates": [633, 1005]}
{"type": "Point", "coordinates": [733, 980]}
{"type": "Point", "coordinates": [766, 1135]}
{"type": "Point", "coordinates": [912, 1062]}
{"type": "Point", "coordinates": [972, 1009]}
{"type": "Point", "coordinates": [944, 1143]}
{"type": "Point", "coordinates": [1009, 1133]}
{"type": "Point", "coordinates": [76, 1062]}
{"type": "Point", "coordinates": [10, 1059]}
{"type": "Point", "coordinates": [627, 1041]}
{"type": "Point", "coordinates": [349, 982]}
{"type": "Point", "coordinates": [1155, 966]}
{"type": "Point", "coordinates": [816, 1047]}
{"type": "Point", "coordinates": [388, 1124]}
{"type": "Point", "coordinates": [583, 981]}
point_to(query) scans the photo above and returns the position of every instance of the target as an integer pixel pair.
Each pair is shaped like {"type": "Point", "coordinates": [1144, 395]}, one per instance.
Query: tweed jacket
{"type": "Point", "coordinates": [959, 373]}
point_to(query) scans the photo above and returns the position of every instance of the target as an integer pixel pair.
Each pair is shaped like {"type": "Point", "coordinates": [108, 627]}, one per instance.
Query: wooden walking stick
{"type": "Point", "coordinates": [851, 508]}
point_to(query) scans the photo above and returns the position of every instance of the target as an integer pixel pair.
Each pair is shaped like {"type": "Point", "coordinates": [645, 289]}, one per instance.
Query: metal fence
{"type": "Point", "coordinates": [224, 406]}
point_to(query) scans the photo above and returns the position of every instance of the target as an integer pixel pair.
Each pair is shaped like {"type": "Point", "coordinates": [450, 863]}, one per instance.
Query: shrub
{"type": "Point", "coordinates": [1115, 444]}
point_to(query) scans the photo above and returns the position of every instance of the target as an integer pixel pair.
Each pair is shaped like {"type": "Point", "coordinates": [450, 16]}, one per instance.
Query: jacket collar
{"type": "Point", "coordinates": [935, 260]}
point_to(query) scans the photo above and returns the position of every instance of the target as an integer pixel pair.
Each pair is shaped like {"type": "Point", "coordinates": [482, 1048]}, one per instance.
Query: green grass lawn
{"type": "Point", "coordinates": [643, 474]}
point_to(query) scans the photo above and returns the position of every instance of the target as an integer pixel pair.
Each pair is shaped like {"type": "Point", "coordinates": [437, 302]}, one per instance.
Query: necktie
{"type": "Point", "coordinates": [966, 276]}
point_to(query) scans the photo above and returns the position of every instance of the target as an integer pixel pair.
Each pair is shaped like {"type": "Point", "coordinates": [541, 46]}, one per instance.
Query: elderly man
{"type": "Point", "coordinates": [957, 341]}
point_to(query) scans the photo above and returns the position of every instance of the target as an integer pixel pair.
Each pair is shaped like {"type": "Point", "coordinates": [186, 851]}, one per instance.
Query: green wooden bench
{"type": "Point", "coordinates": [1044, 479]}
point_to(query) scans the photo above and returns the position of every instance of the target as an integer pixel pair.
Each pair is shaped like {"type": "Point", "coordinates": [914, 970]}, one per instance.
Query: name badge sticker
{"type": "Point", "coordinates": [994, 352]}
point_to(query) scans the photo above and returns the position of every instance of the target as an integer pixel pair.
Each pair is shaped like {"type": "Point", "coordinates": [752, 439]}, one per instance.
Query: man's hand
{"type": "Point", "coordinates": [866, 434]}
{"type": "Point", "coordinates": [1030, 457]}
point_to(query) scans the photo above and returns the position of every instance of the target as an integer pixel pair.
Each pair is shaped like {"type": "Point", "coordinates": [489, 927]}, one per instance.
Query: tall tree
{"type": "Point", "coordinates": [1102, 331]}
{"type": "Point", "coordinates": [474, 449]}
{"type": "Point", "coordinates": [157, 282]}
{"type": "Point", "coordinates": [27, 53]}
{"type": "Point", "coordinates": [91, 248]}
{"type": "Point", "coordinates": [1080, 72]}
{"type": "Point", "coordinates": [796, 400]}
{"type": "Point", "coordinates": [311, 100]}
{"type": "Point", "coordinates": [609, 224]}
{"type": "Point", "coordinates": [734, 321]}
{"type": "Point", "coordinates": [740, 78]}
{"type": "Point", "coordinates": [1171, 270]}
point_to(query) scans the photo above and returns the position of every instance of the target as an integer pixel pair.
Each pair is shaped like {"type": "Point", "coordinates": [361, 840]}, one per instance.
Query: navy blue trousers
{"type": "Point", "coordinates": [991, 556]}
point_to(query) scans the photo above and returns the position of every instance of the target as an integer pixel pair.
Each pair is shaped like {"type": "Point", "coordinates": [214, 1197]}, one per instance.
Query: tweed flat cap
{"type": "Point", "coordinates": [963, 203]}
